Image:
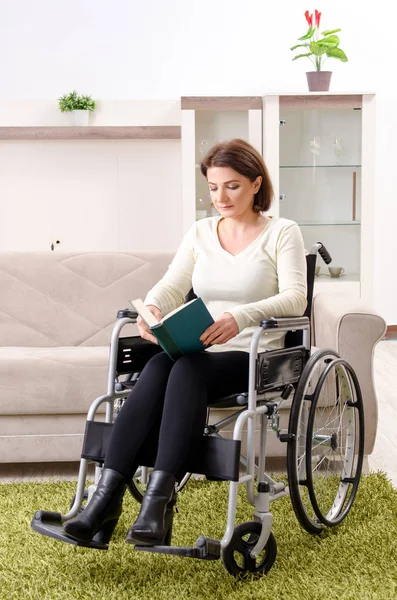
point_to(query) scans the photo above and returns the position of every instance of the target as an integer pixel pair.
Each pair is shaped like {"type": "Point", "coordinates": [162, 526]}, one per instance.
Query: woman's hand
{"type": "Point", "coordinates": [224, 329]}
{"type": "Point", "coordinates": [144, 330]}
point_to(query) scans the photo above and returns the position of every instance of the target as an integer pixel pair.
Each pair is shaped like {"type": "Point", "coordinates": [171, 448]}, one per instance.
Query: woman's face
{"type": "Point", "coordinates": [232, 194]}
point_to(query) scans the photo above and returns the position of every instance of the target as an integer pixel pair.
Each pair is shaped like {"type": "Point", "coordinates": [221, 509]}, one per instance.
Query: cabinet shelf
{"type": "Point", "coordinates": [320, 166]}
{"type": "Point", "coordinates": [327, 223]}
{"type": "Point", "coordinates": [166, 132]}
{"type": "Point", "coordinates": [327, 279]}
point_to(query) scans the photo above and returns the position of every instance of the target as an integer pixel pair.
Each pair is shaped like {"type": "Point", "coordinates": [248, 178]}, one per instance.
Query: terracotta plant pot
{"type": "Point", "coordinates": [318, 81]}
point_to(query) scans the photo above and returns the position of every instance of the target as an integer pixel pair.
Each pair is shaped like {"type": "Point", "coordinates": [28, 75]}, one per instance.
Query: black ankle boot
{"type": "Point", "coordinates": [154, 521]}
{"type": "Point", "coordinates": [102, 512]}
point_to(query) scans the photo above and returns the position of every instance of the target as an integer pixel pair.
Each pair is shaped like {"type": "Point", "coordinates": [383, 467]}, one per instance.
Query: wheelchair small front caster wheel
{"type": "Point", "coordinates": [237, 557]}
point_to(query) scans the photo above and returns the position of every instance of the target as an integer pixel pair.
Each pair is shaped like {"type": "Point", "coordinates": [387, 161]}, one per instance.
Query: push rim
{"type": "Point", "coordinates": [296, 449]}
{"type": "Point", "coordinates": [335, 443]}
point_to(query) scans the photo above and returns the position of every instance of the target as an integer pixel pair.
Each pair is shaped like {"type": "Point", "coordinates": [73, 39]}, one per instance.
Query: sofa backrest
{"type": "Point", "coordinates": [71, 299]}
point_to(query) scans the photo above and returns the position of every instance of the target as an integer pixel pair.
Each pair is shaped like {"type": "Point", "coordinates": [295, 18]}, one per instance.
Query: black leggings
{"type": "Point", "coordinates": [166, 411]}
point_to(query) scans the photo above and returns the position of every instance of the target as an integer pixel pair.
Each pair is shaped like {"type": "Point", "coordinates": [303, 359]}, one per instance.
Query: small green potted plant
{"type": "Point", "coordinates": [79, 106]}
{"type": "Point", "coordinates": [320, 47]}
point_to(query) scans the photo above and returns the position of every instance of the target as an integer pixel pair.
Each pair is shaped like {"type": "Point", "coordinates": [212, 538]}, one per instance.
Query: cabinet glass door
{"type": "Point", "coordinates": [213, 126]}
{"type": "Point", "coordinates": [320, 181]}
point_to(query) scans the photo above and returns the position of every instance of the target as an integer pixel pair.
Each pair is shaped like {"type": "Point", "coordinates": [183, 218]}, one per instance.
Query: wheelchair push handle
{"type": "Point", "coordinates": [323, 252]}
{"type": "Point", "coordinates": [325, 255]}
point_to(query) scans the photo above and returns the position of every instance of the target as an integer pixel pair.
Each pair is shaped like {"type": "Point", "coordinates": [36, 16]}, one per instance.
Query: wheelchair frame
{"type": "Point", "coordinates": [265, 384]}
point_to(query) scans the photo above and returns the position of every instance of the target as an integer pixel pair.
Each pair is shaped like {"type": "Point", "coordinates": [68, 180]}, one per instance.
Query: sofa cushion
{"type": "Point", "coordinates": [51, 380]}
{"type": "Point", "coordinates": [70, 299]}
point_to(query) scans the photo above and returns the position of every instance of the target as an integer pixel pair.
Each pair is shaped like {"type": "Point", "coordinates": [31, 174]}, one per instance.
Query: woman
{"type": "Point", "coordinates": [246, 267]}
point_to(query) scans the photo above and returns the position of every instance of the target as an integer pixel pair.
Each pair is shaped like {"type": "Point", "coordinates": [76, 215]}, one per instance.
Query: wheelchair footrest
{"type": "Point", "coordinates": [206, 549]}
{"type": "Point", "coordinates": [49, 523]}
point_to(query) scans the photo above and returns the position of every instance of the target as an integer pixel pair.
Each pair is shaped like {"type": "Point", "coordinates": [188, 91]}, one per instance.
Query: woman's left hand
{"type": "Point", "coordinates": [224, 329]}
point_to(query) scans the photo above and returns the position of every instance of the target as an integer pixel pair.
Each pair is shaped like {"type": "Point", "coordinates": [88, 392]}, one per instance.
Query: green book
{"type": "Point", "coordinates": [179, 332]}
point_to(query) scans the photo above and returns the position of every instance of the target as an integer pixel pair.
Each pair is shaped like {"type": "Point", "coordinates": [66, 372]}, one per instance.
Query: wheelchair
{"type": "Point", "coordinates": [325, 441]}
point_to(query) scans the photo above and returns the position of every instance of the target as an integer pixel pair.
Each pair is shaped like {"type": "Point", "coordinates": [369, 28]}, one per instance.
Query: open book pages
{"type": "Point", "coordinates": [149, 317]}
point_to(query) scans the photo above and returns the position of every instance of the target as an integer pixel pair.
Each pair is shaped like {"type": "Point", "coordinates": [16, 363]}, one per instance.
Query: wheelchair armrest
{"type": "Point", "coordinates": [127, 313]}
{"type": "Point", "coordinates": [286, 323]}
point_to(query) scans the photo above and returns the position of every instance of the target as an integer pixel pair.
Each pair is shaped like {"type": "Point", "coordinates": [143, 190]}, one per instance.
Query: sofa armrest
{"type": "Point", "coordinates": [351, 328]}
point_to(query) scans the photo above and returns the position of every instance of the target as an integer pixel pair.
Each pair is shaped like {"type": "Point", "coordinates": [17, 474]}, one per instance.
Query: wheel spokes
{"type": "Point", "coordinates": [237, 555]}
{"type": "Point", "coordinates": [325, 454]}
{"type": "Point", "coordinates": [332, 440]}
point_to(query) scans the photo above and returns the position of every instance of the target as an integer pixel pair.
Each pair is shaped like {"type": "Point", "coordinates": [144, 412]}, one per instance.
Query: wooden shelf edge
{"type": "Point", "coordinates": [322, 101]}
{"type": "Point", "coordinates": [221, 103]}
{"type": "Point", "coordinates": [109, 132]}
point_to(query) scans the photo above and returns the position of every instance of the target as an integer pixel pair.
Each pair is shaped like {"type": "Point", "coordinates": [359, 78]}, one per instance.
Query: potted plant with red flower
{"type": "Point", "coordinates": [319, 46]}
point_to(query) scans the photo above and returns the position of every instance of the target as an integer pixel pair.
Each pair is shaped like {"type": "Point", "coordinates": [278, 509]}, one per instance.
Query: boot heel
{"type": "Point", "coordinates": [168, 535]}
{"type": "Point", "coordinates": [169, 520]}
{"type": "Point", "coordinates": [104, 535]}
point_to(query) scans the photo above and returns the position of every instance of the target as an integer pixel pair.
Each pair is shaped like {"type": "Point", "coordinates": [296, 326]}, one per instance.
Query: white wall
{"type": "Point", "coordinates": [155, 50]}
{"type": "Point", "coordinates": [90, 195]}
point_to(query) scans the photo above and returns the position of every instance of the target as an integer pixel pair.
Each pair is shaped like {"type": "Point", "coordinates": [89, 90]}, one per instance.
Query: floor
{"type": "Point", "coordinates": [383, 458]}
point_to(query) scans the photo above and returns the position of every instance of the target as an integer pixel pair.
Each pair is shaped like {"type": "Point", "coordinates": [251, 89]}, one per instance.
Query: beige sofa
{"type": "Point", "coordinates": [57, 311]}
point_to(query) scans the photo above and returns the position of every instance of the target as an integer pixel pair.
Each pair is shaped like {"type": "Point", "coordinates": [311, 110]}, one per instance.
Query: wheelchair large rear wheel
{"type": "Point", "coordinates": [335, 443]}
{"type": "Point", "coordinates": [325, 452]}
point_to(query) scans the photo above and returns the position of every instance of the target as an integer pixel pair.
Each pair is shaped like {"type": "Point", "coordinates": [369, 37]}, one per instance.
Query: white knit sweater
{"type": "Point", "coordinates": [266, 279]}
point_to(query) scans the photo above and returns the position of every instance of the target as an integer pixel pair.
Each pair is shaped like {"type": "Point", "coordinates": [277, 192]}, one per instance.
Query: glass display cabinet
{"type": "Point", "coordinates": [206, 121]}
{"type": "Point", "coordinates": [319, 149]}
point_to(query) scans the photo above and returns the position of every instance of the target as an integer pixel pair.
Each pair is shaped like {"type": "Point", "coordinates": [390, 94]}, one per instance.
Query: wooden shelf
{"type": "Point", "coordinates": [92, 133]}
{"type": "Point", "coordinates": [320, 101]}
{"type": "Point", "coordinates": [221, 103]}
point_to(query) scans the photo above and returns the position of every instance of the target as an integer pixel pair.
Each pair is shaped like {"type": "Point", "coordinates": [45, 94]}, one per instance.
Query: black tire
{"type": "Point", "coordinates": [236, 556]}
{"type": "Point", "coordinates": [137, 485]}
{"type": "Point", "coordinates": [335, 443]}
{"type": "Point", "coordinates": [296, 449]}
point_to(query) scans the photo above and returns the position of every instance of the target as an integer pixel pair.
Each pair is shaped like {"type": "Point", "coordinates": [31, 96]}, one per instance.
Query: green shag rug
{"type": "Point", "coordinates": [357, 560]}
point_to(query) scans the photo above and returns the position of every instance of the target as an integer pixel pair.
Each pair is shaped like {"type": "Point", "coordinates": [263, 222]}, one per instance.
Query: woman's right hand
{"type": "Point", "coordinates": [144, 330]}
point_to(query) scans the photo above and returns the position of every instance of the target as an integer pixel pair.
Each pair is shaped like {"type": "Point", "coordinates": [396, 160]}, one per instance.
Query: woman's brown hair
{"type": "Point", "coordinates": [246, 160]}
